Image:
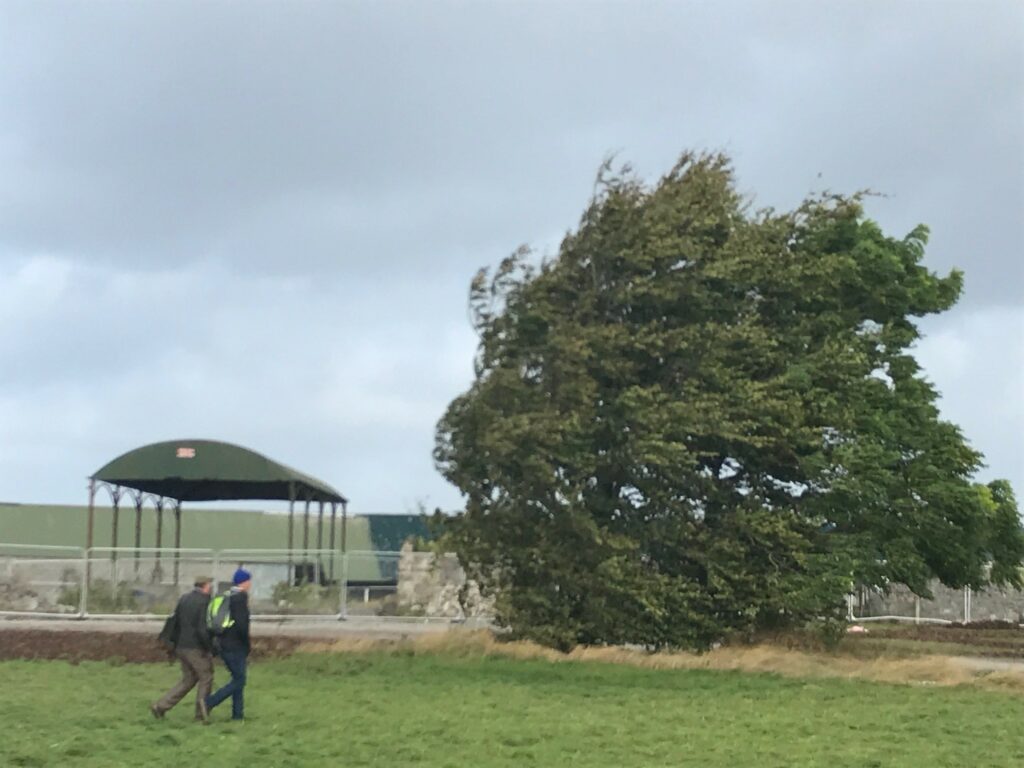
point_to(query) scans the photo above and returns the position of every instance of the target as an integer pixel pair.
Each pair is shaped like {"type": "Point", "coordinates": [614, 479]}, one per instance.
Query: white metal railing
{"type": "Point", "coordinates": [964, 615]}
{"type": "Point", "coordinates": [73, 582]}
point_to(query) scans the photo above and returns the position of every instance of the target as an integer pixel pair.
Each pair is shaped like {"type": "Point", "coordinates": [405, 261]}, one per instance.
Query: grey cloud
{"type": "Point", "coordinates": [154, 131]}
{"type": "Point", "coordinates": [347, 390]}
{"type": "Point", "coordinates": [259, 223]}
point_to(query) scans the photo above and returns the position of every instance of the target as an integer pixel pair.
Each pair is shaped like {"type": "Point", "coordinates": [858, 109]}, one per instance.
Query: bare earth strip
{"type": "Point", "coordinates": [316, 629]}
{"type": "Point", "coordinates": [134, 641]}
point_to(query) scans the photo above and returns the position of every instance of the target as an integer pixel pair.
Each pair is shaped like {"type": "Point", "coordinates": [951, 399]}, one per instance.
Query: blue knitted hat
{"type": "Point", "coordinates": [241, 576]}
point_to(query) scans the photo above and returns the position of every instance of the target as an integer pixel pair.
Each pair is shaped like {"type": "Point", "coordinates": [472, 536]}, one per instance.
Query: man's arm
{"type": "Point", "coordinates": [171, 631]}
{"type": "Point", "coordinates": [240, 615]}
{"type": "Point", "coordinates": [205, 640]}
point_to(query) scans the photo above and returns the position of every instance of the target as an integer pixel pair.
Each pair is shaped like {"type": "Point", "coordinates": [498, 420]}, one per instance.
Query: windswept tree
{"type": "Point", "coordinates": [699, 419]}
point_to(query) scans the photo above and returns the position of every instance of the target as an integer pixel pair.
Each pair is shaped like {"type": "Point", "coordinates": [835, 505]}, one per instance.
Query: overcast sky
{"type": "Point", "coordinates": [257, 222]}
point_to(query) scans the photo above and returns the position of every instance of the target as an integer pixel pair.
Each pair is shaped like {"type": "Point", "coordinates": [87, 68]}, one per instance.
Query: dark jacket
{"type": "Point", "coordinates": [191, 614]}
{"type": "Point", "coordinates": [236, 637]}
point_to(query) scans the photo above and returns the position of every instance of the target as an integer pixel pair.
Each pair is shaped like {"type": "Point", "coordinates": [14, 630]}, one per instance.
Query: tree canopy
{"type": "Point", "coordinates": [699, 418]}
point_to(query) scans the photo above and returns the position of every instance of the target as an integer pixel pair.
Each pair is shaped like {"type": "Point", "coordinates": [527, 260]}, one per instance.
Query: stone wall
{"type": "Point", "coordinates": [947, 604]}
{"type": "Point", "coordinates": [38, 584]}
{"type": "Point", "coordinates": [1002, 604]}
{"type": "Point", "coordinates": [53, 585]}
{"type": "Point", "coordinates": [430, 585]}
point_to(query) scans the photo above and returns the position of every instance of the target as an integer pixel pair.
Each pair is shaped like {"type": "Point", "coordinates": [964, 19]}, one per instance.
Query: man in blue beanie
{"type": "Point", "coordinates": [234, 645]}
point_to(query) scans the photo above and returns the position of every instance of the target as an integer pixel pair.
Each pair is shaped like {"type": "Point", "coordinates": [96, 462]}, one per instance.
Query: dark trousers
{"type": "Point", "coordinates": [235, 661]}
{"type": "Point", "coordinates": [196, 668]}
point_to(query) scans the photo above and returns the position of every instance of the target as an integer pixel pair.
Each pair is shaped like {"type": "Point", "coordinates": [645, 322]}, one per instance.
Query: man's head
{"type": "Point", "coordinates": [242, 579]}
{"type": "Point", "coordinates": [204, 584]}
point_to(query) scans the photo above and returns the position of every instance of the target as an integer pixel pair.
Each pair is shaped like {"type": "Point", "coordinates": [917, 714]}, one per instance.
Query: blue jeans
{"type": "Point", "coordinates": [235, 661]}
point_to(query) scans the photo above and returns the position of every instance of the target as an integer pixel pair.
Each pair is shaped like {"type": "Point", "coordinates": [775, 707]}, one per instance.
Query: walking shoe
{"type": "Point", "coordinates": [156, 712]}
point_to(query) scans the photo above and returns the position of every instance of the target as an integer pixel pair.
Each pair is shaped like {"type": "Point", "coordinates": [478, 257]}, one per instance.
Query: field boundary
{"type": "Point", "coordinates": [105, 641]}
{"type": "Point", "coordinates": [129, 584]}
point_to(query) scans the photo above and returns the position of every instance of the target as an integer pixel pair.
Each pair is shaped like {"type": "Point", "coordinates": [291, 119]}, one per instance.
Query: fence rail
{"type": "Point", "coordinates": [947, 605]}
{"type": "Point", "coordinates": [125, 582]}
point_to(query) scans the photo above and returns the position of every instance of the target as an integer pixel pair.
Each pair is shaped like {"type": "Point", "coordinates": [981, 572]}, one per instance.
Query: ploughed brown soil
{"type": "Point", "coordinates": [988, 638]}
{"type": "Point", "coordinates": [993, 643]}
{"type": "Point", "coordinates": [127, 647]}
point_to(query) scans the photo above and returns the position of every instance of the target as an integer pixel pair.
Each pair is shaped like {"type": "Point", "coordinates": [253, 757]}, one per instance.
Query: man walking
{"type": "Point", "coordinates": [191, 642]}
{"type": "Point", "coordinates": [234, 645]}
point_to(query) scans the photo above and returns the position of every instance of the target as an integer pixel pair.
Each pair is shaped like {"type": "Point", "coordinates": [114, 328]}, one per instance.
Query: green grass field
{"type": "Point", "coordinates": [201, 527]}
{"type": "Point", "coordinates": [399, 709]}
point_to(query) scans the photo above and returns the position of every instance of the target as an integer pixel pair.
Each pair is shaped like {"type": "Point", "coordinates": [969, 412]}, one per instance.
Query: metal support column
{"type": "Point", "coordinates": [334, 554]}
{"type": "Point", "coordinates": [291, 526]}
{"type": "Point", "coordinates": [344, 526]}
{"type": "Point", "coordinates": [319, 575]}
{"type": "Point", "coordinates": [177, 538]}
{"type": "Point", "coordinates": [157, 571]}
{"type": "Point", "coordinates": [88, 539]}
{"type": "Point", "coordinates": [305, 538]}
{"type": "Point", "coordinates": [115, 495]}
{"type": "Point", "coordinates": [138, 497]}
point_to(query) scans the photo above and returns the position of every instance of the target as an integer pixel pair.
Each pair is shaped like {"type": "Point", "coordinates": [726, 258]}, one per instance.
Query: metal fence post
{"type": "Point", "coordinates": [83, 598]}
{"type": "Point", "coordinates": [343, 583]}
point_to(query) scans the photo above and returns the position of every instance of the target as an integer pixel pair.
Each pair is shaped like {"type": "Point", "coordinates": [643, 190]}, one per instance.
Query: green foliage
{"type": "Point", "coordinates": [401, 710]}
{"type": "Point", "coordinates": [303, 598]}
{"type": "Point", "coordinates": [70, 596]}
{"type": "Point", "coordinates": [71, 593]}
{"type": "Point", "coordinates": [1004, 523]}
{"type": "Point", "coordinates": [104, 597]}
{"type": "Point", "coordinates": [832, 632]}
{"type": "Point", "coordinates": [387, 605]}
{"type": "Point", "coordinates": [699, 419]}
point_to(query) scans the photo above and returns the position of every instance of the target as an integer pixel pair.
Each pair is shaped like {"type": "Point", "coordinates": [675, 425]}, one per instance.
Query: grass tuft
{"type": "Point", "coordinates": [917, 670]}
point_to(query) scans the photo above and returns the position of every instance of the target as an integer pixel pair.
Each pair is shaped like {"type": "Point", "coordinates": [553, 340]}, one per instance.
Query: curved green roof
{"type": "Point", "coordinates": [208, 470]}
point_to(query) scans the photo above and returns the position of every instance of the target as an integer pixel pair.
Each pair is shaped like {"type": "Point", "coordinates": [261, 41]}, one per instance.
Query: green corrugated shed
{"type": "Point", "coordinates": [211, 470]}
